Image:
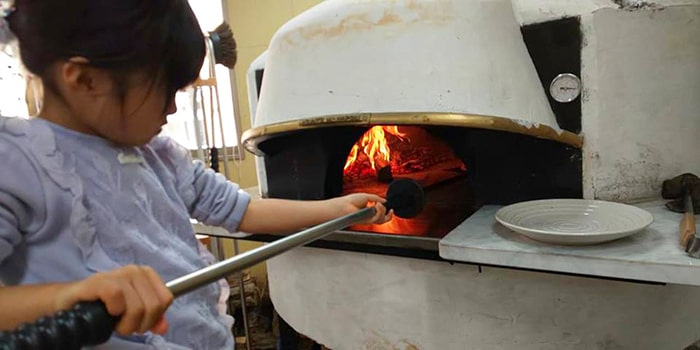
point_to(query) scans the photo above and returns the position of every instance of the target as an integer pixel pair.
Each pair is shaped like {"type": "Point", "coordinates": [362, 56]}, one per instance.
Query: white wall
{"type": "Point", "coordinates": [641, 106]}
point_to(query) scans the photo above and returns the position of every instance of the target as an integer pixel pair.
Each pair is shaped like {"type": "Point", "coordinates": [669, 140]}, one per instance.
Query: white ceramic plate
{"type": "Point", "coordinates": [574, 221]}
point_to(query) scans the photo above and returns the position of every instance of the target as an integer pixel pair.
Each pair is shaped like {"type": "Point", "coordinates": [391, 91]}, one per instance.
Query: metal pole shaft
{"type": "Point", "coordinates": [200, 278]}
{"type": "Point", "coordinates": [244, 307]}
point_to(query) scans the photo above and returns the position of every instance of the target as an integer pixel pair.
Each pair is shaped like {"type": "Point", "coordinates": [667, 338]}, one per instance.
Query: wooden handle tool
{"type": "Point", "coordinates": [687, 225]}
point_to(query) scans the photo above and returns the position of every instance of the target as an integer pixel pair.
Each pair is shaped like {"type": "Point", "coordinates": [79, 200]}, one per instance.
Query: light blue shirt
{"type": "Point", "coordinates": [73, 204]}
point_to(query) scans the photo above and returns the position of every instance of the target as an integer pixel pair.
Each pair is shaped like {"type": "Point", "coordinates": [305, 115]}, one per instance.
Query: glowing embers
{"type": "Point", "coordinates": [372, 152]}
{"type": "Point", "coordinates": [387, 151]}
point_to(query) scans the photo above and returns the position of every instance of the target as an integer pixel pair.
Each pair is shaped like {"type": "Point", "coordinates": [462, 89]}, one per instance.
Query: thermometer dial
{"type": "Point", "coordinates": [565, 87]}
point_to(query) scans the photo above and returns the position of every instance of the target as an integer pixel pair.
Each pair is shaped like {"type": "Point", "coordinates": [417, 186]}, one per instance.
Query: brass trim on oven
{"type": "Point", "coordinates": [252, 137]}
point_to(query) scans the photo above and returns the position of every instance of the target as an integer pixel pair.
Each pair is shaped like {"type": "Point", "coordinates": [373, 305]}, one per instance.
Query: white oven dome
{"type": "Point", "coordinates": [466, 58]}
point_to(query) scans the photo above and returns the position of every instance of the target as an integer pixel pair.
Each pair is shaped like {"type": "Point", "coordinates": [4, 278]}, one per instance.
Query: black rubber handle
{"type": "Point", "coordinates": [86, 324]}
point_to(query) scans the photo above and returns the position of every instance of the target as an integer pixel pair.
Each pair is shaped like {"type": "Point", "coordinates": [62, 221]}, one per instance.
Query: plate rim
{"type": "Point", "coordinates": [647, 223]}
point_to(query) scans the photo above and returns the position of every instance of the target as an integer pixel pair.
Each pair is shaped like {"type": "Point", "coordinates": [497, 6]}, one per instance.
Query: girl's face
{"type": "Point", "coordinates": [134, 112]}
{"type": "Point", "coordinates": [128, 110]}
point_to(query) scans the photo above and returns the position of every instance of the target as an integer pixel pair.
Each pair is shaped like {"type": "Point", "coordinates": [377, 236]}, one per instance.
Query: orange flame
{"type": "Point", "coordinates": [374, 144]}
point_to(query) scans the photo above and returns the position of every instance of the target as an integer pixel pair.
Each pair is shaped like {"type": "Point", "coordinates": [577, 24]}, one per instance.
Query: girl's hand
{"type": "Point", "coordinates": [136, 293]}
{"type": "Point", "coordinates": [353, 202]}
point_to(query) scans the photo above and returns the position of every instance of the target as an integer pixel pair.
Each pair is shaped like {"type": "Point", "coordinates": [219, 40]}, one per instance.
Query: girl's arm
{"type": "Point", "coordinates": [282, 216]}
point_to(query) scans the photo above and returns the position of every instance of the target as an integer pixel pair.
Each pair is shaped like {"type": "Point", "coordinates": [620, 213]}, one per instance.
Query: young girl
{"type": "Point", "coordinates": [88, 188]}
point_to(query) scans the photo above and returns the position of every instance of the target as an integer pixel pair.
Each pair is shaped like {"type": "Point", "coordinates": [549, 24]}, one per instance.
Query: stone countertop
{"type": "Point", "coordinates": [652, 255]}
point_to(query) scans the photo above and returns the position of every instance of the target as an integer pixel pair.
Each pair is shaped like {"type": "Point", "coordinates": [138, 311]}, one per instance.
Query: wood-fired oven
{"type": "Point", "coordinates": [476, 107]}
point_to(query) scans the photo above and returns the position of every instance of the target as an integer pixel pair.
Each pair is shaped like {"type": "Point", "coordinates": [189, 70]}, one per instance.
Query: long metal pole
{"type": "Point", "coordinates": [202, 277]}
{"type": "Point", "coordinates": [244, 307]}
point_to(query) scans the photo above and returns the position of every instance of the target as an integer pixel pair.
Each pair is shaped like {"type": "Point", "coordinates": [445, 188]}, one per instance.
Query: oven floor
{"type": "Point", "coordinates": [447, 205]}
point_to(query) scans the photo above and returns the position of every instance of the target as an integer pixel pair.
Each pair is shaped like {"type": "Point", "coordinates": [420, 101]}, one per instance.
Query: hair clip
{"type": "Point", "coordinates": [6, 7]}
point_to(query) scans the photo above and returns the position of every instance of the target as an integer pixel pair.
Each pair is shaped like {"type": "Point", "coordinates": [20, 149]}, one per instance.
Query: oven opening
{"type": "Point", "coordinates": [460, 168]}
{"type": "Point", "coordinates": [387, 152]}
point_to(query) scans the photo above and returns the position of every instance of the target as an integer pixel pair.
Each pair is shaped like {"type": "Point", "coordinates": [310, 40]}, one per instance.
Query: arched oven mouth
{"type": "Point", "coordinates": [463, 161]}
{"type": "Point", "coordinates": [256, 135]}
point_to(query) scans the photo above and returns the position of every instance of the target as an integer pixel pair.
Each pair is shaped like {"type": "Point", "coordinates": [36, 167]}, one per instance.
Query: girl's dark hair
{"type": "Point", "coordinates": [161, 37]}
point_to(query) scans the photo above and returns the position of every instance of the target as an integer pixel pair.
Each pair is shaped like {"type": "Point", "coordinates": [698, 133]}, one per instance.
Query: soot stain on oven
{"type": "Point", "coordinates": [460, 168]}
{"type": "Point", "coordinates": [632, 178]}
{"type": "Point", "coordinates": [380, 342]}
{"type": "Point", "coordinates": [363, 21]}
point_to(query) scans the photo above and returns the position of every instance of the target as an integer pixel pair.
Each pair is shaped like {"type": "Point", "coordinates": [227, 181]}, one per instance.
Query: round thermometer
{"type": "Point", "coordinates": [565, 87]}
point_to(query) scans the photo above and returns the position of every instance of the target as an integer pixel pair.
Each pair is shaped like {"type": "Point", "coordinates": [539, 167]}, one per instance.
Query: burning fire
{"type": "Point", "coordinates": [375, 146]}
